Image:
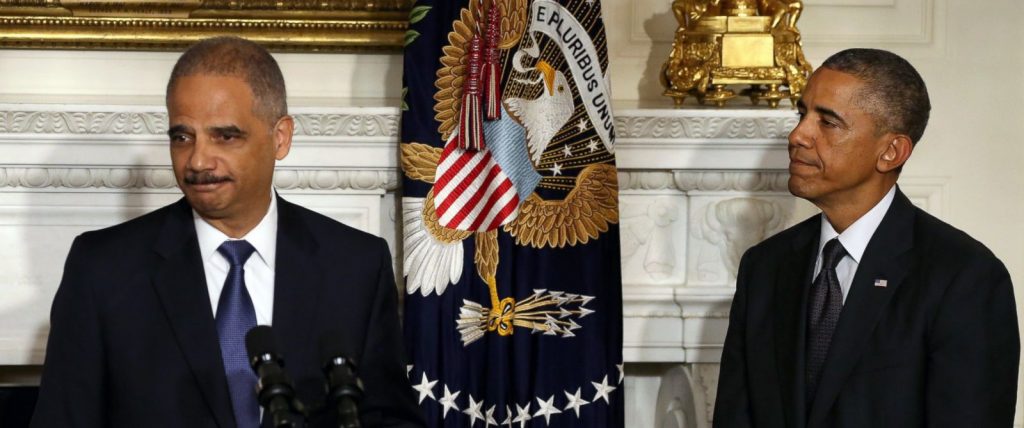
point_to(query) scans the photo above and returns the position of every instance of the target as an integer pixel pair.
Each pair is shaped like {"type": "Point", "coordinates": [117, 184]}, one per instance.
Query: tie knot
{"type": "Point", "coordinates": [832, 254]}
{"type": "Point", "coordinates": [237, 252]}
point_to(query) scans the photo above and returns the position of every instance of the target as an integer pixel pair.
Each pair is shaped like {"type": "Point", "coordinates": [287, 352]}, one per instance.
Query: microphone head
{"type": "Point", "coordinates": [259, 343]}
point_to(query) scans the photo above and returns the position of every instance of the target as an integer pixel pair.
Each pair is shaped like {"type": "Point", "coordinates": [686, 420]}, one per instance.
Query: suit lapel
{"type": "Point", "coordinates": [887, 258]}
{"type": "Point", "coordinates": [790, 291]}
{"type": "Point", "coordinates": [297, 281]}
{"type": "Point", "coordinates": [180, 283]}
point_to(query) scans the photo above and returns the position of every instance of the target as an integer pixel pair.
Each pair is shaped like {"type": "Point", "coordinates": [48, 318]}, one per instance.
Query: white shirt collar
{"type": "Point", "coordinates": [263, 237]}
{"type": "Point", "coordinates": [855, 238]}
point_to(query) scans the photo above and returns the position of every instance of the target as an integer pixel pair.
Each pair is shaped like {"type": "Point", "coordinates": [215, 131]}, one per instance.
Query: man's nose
{"type": "Point", "coordinates": [202, 158]}
{"type": "Point", "coordinates": [801, 135]}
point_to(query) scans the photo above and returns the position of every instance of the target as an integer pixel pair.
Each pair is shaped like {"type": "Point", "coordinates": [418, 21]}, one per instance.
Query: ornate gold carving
{"type": "Point", "coordinates": [583, 215]}
{"type": "Point", "coordinates": [749, 73]}
{"type": "Point", "coordinates": [304, 25]}
{"type": "Point", "coordinates": [731, 42]}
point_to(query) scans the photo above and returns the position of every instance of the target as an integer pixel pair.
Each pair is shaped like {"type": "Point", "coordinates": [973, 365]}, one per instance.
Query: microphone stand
{"type": "Point", "coordinates": [344, 391]}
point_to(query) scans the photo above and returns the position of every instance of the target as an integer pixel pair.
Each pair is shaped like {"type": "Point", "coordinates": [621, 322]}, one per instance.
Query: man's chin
{"type": "Point", "coordinates": [205, 204]}
{"type": "Point", "coordinates": [800, 188]}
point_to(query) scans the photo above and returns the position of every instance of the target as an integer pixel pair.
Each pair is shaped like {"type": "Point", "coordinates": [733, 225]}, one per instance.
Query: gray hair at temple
{"type": "Point", "coordinates": [893, 90]}
{"type": "Point", "coordinates": [237, 57]}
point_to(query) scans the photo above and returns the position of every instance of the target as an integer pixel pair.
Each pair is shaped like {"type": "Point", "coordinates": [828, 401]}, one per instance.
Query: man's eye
{"type": "Point", "coordinates": [179, 138]}
{"type": "Point", "coordinates": [829, 123]}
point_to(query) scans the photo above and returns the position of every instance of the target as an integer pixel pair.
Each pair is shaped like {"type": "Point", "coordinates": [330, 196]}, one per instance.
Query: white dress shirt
{"type": "Point", "coordinates": [259, 269]}
{"type": "Point", "coordinates": [854, 239]}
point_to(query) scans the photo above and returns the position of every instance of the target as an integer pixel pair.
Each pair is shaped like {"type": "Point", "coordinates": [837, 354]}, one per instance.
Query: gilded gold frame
{"type": "Point", "coordinates": [284, 26]}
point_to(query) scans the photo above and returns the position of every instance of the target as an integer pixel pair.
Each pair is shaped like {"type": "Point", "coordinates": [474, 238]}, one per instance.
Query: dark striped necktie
{"type": "Point", "coordinates": [825, 305]}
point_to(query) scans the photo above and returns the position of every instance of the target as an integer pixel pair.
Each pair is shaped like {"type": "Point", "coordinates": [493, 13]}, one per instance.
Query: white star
{"type": "Point", "coordinates": [547, 408]}
{"type": "Point", "coordinates": [602, 390]}
{"type": "Point", "coordinates": [590, 2]}
{"type": "Point", "coordinates": [474, 411]}
{"type": "Point", "coordinates": [522, 415]}
{"type": "Point", "coordinates": [408, 370]}
{"type": "Point", "coordinates": [557, 169]}
{"type": "Point", "coordinates": [567, 150]}
{"type": "Point", "coordinates": [592, 146]}
{"type": "Point", "coordinates": [448, 400]}
{"type": "Point", "coordinates": [490, 417]}
{"type": "Point", "coordinates": [583, 125]}
{"type": "Point", "coordinates": [425, 388]}
{"type": "Point", "coordinates": [508, 416]}
{"type": "Point", "coordinates": [622, 373]}
{"type": "Point", "coordinates": [575, 401]}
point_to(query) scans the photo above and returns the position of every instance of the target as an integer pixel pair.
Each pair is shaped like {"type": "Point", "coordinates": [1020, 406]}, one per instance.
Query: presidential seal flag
{"type": "Point", "coordinates": [513, 310]}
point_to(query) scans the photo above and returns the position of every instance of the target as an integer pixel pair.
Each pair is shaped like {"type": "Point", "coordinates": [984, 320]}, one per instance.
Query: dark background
{"type": "Point", "coordinates": [16, 404]}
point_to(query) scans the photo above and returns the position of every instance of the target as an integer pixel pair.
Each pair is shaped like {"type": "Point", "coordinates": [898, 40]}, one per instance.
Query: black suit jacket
{"type": "Point", "coordinates": [937, 346]}
{"type": "Point", "coordinates": [133, 341]}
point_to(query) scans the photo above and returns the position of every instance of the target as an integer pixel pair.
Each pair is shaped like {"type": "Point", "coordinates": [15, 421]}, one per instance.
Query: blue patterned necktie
{"type": "Point", "coordinates": [826, 303]}
{"type": "Point", "coordinates": [235, 316]}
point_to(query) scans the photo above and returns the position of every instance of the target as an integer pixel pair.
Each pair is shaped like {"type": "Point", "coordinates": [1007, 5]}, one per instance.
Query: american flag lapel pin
{"type": "Point", "coordinates": [881, 283]}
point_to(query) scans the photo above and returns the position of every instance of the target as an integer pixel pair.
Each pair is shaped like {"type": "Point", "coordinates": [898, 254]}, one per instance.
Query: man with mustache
{"type": "Point", "coordinates": [149, 322]}
{"type": "Point", "coordinates": [873, 313]}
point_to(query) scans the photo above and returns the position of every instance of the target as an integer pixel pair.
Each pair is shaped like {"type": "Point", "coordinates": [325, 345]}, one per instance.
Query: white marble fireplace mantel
{"type": "Point", "coordinates": [698, 186]}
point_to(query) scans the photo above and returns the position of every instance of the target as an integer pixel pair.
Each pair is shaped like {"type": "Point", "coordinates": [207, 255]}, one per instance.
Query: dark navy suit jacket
{"type": "Point", "coordinates": [936, 346]}
{"type": "Point", "coordinates": [133, 341]}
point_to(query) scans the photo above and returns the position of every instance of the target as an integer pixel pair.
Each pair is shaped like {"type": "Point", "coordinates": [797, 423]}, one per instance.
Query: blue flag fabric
{"type": "Point", "coordinates": [513, 311]}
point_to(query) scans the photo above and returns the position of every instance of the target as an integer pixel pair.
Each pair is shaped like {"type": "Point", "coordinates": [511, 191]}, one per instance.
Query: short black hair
{"type": "Point", "coordinates": [237, 57]}
{"type": "Point", "coordinates": [894, 91]}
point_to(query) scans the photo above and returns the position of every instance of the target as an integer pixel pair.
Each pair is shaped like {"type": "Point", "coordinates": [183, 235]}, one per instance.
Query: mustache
{"type": "Point", "coordinates": [193, 178]}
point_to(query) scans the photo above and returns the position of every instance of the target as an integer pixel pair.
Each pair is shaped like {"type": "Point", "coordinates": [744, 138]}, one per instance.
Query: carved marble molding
{"type": "Point", "coordinates": [707, 377]}
{"type": "Point", "coordinates": [382, 123]}
{"type": "Point", "coordinates": [683, 124]}
{"type": "Point", "coordinates": [705, 124]}
{"type": "Point", "coordinates": [129, 120]}
{"type": "Point", "coordinates": [33, 121]}
{"type": "Point", "coordinates": [678, 402]}
{"type": "Point", "coordinates": [660, 139]}
{"type": "Point", "coordinates": [703, 139]}
{"type": "Point", "coordinates": [163, 178]}
{"type": "Point", "coordinates": [705, 181]}
{"type": "Point", "coordinates": [291, 178]}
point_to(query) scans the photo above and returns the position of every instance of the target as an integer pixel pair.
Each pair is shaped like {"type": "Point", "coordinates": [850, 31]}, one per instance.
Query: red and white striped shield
{"type": "Point", "coordinates": [471, 192]}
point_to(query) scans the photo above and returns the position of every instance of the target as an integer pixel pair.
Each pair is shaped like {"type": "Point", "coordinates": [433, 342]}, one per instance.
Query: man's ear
{"type": "Point", "coordinates": [895, 153]}
{"type": "Point", "coordinates": [283, 136]}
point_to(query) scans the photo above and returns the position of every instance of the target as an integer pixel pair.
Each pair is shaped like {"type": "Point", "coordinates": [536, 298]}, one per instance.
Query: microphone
{"type": "Point", "coordinates": [274, 390]}
{"type": "Point", "coordinates": [344, 389]}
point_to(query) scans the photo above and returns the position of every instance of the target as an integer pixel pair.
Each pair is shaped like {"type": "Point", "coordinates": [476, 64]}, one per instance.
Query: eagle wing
{"type": "Point", "coordinates": [452, 72]}
{"type": "Point", "coordinates": [419, 161]}
{"type": "Point", "coordinates": [433, 254]}
{"type": "Point", "coordinates": [583, 215]}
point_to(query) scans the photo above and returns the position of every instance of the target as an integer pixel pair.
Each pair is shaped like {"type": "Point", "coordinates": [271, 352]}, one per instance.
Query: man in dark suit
{"type": "Point", "coordinates": [874, 313]}
{"type": "Point", "coordinates": [148, 324]}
